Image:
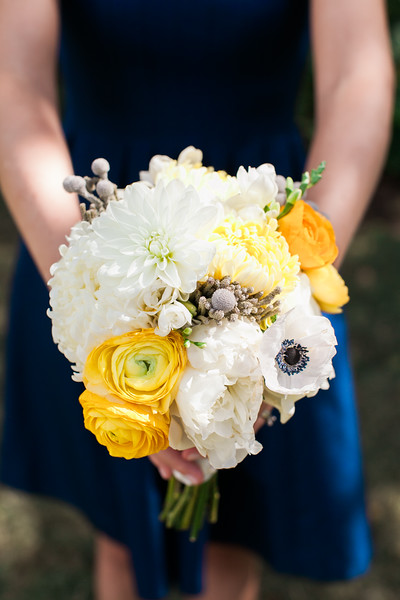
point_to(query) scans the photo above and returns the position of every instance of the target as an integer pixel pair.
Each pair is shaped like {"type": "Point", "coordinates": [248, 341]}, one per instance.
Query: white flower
{"type": "Point", "coordinates": [150, 300]}
{"type": "Point", "coordinates": [172, 316]}
{"type": "Point", "coordinates": [220, 393]}
{"type": "Point", "coordinates": [219, 418]}
{"type": "Point", "coordinates": [296, 356]}
{"type": "Point", "coordinates": [211, 185]}
{"type": "Point", "coordinates": [83, 313]}
{"type": "Point", "coordinates": [161, 165]}
{"type": "Point", "coordinates": [257, 187]}
{"type": "Point", "coordinates": [155, 233]}
{"type": "Point", "coordinates": [301, 297]}
{"type": "Point", "coordinates": [231, 348]}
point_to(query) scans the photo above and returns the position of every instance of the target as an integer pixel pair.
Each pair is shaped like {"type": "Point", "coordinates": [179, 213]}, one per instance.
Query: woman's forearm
{"type": "Point", "coordinates": [34, 158]}
{"type": "Point", "coordinates": [352, 136]}
{"type": "Point", "coordinates": [33, 163]}
{"type": "Point", "coordinates": [354, 103]}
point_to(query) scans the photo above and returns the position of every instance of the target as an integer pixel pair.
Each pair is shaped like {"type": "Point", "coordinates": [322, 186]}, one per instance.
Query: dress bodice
{"type": "Point", "coordinates": [192, 72]}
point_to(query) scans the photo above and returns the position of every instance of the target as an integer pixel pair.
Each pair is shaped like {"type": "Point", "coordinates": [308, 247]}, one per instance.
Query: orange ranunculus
{"type": "Point", "coordinates": [139, 367]}
{"type": "Point", "coordinates": [310, 235]}
{"type": "Point", "coordinates": [328, 288]}
{"type": "Point", "coordinates": [126, 429]}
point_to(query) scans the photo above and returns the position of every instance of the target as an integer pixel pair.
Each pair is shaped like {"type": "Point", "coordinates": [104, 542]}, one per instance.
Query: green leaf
{"type": "Point", "coordinates": [290, 202]}
{"type": "Point", "coordinates": [316, 174]}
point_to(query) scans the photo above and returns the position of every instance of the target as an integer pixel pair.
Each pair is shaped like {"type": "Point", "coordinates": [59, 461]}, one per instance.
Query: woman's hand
{"type": "Point", "coordinates": [263, 415]}
{"type": "Point", "coordinates": [184, 461]}
{"type": "Point", "coordinates": [170, 460]}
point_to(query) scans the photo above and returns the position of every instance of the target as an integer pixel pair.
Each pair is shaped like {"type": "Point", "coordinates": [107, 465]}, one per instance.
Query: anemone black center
{"type": "Point", "coordinates": [292, 356]}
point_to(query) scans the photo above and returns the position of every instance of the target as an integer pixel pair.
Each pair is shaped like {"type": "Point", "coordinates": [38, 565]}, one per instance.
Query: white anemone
{"type": "Point", "coordinates": [296, 355]}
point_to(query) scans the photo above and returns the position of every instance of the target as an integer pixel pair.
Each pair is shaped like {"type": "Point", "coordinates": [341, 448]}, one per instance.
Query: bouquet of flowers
{"type": "Point", "coordinates": [185, 301]}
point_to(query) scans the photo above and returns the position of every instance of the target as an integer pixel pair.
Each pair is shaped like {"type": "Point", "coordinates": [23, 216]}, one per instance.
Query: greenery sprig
{"type": "Point", "coordinates": [295, 192]}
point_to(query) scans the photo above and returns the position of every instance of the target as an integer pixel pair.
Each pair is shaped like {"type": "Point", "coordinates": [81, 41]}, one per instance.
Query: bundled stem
{"type": "Point", "coordinates": [187, 506]}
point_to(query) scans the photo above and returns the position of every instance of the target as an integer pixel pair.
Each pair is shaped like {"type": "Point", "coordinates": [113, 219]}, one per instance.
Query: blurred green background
{"type": "Point", "coordinates": [46, 547]}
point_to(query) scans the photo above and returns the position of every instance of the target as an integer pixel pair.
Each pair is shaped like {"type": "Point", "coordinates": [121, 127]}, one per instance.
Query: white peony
{"type": "Point", "coordinates": [218, 418]}
{"type": "Point", "coordinates": [231, 348]}
{"type": "Point", "coordinates": [155, 233]}
{"type": "Point", "coordinates": [220, 394]}
{"type": "Point", "coordinates": [296, 358]}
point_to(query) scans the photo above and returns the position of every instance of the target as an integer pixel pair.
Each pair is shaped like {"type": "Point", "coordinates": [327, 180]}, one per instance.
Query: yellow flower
{"type": "Point", "coordinates": [328, 288]}
{"type": "Point", "coordinates": [139, 367]}
{"type": "Point", "coordinates": [253, 254]}
{"type": "Point", "coordinates": [127, 430]}
{"type": "Point", "coordinates": [310, 235]}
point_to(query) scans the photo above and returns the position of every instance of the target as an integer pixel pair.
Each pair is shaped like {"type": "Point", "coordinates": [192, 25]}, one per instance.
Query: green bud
{"type": "Point", "coordinates": [191, 307]}
{"type": "Point", "coordinates": [187, 331]}
{"type": "Point", "coordinates": [186, 343]}
{"type": "Point", "coordinates": [199, 344]}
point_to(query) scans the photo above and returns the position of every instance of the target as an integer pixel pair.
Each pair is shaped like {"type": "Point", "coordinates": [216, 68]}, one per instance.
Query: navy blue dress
{"type": "Point", "coordinates": [145, 78]}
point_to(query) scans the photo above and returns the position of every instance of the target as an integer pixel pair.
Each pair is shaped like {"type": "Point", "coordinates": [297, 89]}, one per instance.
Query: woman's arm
{"type": "Point", "coordinates": [354, 90]}
{"type": "Point", "coordinates": [34, 158]}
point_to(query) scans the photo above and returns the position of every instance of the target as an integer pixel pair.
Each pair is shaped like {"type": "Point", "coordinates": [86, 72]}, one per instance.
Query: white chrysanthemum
{"type": "Point", "coordinates": [155, 233]}
{"type": "Point", "coordinates": [254, 254]}
{"type": "Point", "coordinates": [296, 357]}
{"type": "Point", "coordinates": [82, 314]}
{"type": "Point", "coordinates": [220, 394]}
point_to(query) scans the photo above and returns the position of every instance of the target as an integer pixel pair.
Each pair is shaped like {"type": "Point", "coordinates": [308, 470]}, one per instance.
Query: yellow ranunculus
{"type": "Point", "coordinates": [328, 288]}
{"type": "Point", "coordinates": [126, 429]}
{"type": "Point", "coordinates": [310, 235]}
{"type": "Point", "coordinates": [139, 367]}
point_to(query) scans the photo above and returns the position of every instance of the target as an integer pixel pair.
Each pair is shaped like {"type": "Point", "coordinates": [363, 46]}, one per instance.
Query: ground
{"type": "Point", "coordinates": [46, 547]}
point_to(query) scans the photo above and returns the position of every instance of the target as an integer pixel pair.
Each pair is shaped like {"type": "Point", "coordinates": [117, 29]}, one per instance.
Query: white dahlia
{"type": "Point", "coordinates": [155, 233]}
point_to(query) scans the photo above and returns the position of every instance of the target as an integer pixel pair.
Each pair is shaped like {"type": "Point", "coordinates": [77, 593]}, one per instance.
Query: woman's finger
{"type": "Point", "coordinates": [170, 460]}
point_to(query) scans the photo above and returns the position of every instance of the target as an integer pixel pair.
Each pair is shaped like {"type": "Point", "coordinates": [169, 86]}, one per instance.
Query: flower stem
{"type": "Point", "coordinates": [187, 506]}
{"type": "Point", "coordinates": [215, 496]}
{"type": "Point", "coordinates": [199, 511]}
{"type": "Point", "coordinates": [173, 492]}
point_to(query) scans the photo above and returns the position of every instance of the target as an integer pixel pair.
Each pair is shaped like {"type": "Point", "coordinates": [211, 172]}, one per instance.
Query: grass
{"type": "Point", "coordinates": [46, 547]}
